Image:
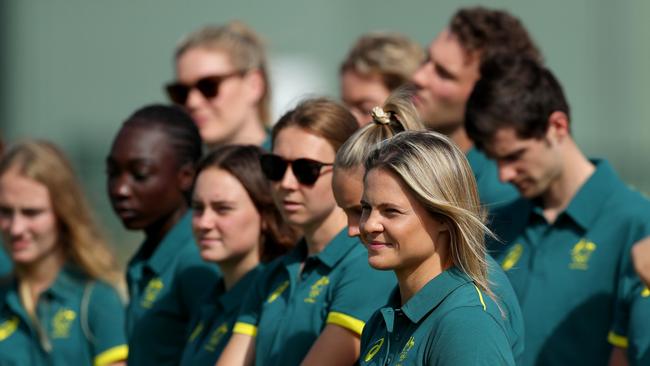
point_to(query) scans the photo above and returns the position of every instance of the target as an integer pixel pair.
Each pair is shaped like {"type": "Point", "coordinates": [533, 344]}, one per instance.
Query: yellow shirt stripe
{"type": "Point", "coordinates": [617, 340]}
{"type": "Point", "coordinates": [112, 355]}
{"type": "Point", "coordinates": [480, 296]}
{"type": "Point", "coordinates": [346, 322]}
{"type": "Point", "coordinates": [246, 329]}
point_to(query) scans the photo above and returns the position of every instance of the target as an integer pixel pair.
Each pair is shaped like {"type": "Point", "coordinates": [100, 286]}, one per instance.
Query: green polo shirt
{"type": "Point", "coordinates": [289, 308]}
{"type": "Point", "coordinates": [211, 327]}
{"type": "Point", "coordinates": [448, 322]}
{"type": "Point", "coordinates": [5, 262]}
{"type": "Point", "coordinates": [80, 322]}
{"type": "Point", "coordinates": [492, 192]}
{"type": "Point", "coordinates": [631, 328]}
{"type": "Point", "coordinates": [165, 289]}
{"type": "Point", "coordinates": [567, 274]}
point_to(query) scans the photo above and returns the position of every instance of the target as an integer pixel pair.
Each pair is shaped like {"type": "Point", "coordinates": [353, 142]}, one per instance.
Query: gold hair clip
{"type": "Point", "coordinates": [380, 116]}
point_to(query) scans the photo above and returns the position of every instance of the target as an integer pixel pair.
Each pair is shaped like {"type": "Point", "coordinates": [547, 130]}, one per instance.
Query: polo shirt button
{"type": "Point", "coordinates": [388, 360]}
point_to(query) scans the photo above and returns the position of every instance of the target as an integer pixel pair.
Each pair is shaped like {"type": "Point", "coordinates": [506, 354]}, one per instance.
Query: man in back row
{"type": "Point", "coordinates": [566, 242]}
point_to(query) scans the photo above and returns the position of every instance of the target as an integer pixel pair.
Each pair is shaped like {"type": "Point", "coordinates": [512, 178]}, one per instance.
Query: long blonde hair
{"type": "Point", "coordinates": [401, 116]}
{"type": "Point", "coordinates": [79, 234]}
{"type": "Point", "coordinates": [439, 177]}
{"type": "Point", "coordinates": [243, 47]}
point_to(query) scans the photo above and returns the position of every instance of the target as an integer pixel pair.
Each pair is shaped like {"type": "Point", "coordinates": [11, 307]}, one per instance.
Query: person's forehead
{"type": "Point", "coordinates": [141, 142]}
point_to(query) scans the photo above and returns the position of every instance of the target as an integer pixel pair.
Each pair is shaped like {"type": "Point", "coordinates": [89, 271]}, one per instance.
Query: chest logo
{"type": "Point", "coordinates": [645, 292]}
{"type": "Point", "coordinates": [8, 327]}
{"type": "Point", "coordinates": [316, 289]}
{"type": "Point", "coordinates": [374, 350]}
{"type": "Point", "coordinates": [61, 323]}
{"type": "Point", "coordinates": [278, 291]}
{"type": "Point", "coordinates": [581, 253]}
{"type": "Point", "coordinates": [216, 337]}
{"type": "Point", "coordinates": [406, 349]}
{"type": "Point", "coordinates": [151, 292]}
{"type": "Point", "coordinates": [195, 333]}
{"type": "Point", "coordinates": [512, 257]}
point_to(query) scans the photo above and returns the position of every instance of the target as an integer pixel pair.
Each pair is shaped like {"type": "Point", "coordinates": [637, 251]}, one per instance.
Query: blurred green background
{"type": "Point", "coordinates": [73, 70]}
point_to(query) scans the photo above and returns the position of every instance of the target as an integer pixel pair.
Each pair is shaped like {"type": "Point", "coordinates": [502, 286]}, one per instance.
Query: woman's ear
{"type": "Point", "coordinates": [186, 177]}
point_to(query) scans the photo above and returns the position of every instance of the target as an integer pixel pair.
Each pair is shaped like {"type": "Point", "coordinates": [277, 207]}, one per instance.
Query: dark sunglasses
{"type": "Point", "coordinates": [306, 171]}
{"type": "Point", "coordinates": [207, 86]}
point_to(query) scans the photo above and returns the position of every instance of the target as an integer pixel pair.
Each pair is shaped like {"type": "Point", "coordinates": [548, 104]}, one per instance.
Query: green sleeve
{"type": "Point", "coordinates": [468, 336]}
{"type": "Point", "coordinates": [357, 293]}
{"type": "Point", "coordinates": [251, 308]}
{"type": "Point", "coordinates": [107, 331]}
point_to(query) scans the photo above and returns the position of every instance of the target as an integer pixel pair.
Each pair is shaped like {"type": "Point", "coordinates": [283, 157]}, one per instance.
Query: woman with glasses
{"type": "Point", "coordinates": [150, 173]}
{"type": "Point", "coordinates": [237, 226]}
{"type": "Point", "coordinates": [310, 305]}
{"type": "Point", "coordinates": [398, 115]}
{"type": "Point", "coordinates": [61, 305]}
{"type": "Point", "coordinates": [222, 82]}
{"type": "Point", "coordinates": [422, 218]}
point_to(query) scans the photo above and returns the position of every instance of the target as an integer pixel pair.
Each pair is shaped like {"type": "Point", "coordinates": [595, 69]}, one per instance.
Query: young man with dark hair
{"type": "Point", "coordinates": [565, 244]}
{"type": "Point", "coordinates": [446, 79]}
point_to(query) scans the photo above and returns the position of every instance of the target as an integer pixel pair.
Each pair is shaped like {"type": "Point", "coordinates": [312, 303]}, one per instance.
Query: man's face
{"type": "Point", "coordinates": [444, 83]}
{"type": "Point", "coordinates": [531, 164]}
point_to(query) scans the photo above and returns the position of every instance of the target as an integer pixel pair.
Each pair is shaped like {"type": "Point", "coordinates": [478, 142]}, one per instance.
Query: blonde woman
{"type": "Point", "coordinates": [222, 82]}
{"type": "Point", "coordinates": [422, 218]}
{"type": "Point", "coordinates": [61, 306]}
{"type": "Point", "coordinates": [398, 115]}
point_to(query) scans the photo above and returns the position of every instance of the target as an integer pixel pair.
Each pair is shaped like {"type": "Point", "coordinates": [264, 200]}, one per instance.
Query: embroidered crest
{"type": "Point", "coordinates": [8, 327]}
{"type": "Point", "coordinates": [61, 323]}
{"type": "Point", "coordinates": [406, 349]}
{"type": "Point", "coordinates": [151, 292]}
{"type": "Point", "coordinates": [512, 257]}
{"type": "Point", "coordinates": [645, 292]}
{"type": "Point", "coordinates": [373, 350]}
{"type": "Point", "coordinates": [581, 253]}
{"type": "Point", "coordinates": [278, 291]}
{"type": "Point", "coordinates": [195, 333]}
{"type": "Point", "coordinates": [216, 337]}
{"type": "Point", "coordinates": [316, 289]}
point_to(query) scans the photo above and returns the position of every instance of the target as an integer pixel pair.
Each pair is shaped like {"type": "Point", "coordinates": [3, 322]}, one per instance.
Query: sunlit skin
{"type": "Point", "coordinates": [444, 83]}
{"type": "Point", "coordinates": [27, 220]}
{"type": "Point", "coordinates": [361, 93]}
{"type": "Point", "coordinates": [400, 234]}
{"type": "Point", "coordinates": [225, 222]}
{"type": "Point", "coordinates": [307, 207]}
{"type": "Point", "coordinates": [347, 185]}
{"type": "Point", "coordinates": [146, 184]}
{"type": "Point", "coordinates": [231, 117]}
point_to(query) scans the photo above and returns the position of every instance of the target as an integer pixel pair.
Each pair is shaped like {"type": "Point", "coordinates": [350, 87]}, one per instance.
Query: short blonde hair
{"type": "Point", "coordinates": [403, 117]}
{"type": "Point", "coordinates": [438, 175]}
{"type": "Point", "coordinates": [244, 48]}
{"type": "Point", "coordinates": [392, 56]}
{"type": "Point", "coordinates": [79, 234]}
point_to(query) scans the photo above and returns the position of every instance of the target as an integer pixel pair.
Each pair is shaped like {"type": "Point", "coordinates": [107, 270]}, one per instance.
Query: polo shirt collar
{"type": "Point", "coordinates": [476, 160]}
{"type": "Point", "coordinates": [586, 205]}
{"type": "Point", "coordinates": [171, 244]}
{"type": "Point", "coordinates": [432, 294]}
{"type": "Point", "coordinates": [67, 282]}
{"type": "Point", "coordinates": [334, 252]}
{"type": "Point", "coordinates": [232, 299]}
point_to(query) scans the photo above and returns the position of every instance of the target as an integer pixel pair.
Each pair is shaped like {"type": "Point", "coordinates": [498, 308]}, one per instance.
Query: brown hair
{"type": "Point", "coordinates": [322, 117]}
{"type": "Point", "coordinates": [392, 56]}
{"type": "Point", "coordinates": [490, 32]}
{"type": "Point", "coordinates": [243, 163]}
{"type": "Point", "coordinates": [44, 163]}
{"type": "Point", "coordinates": [244, 48]}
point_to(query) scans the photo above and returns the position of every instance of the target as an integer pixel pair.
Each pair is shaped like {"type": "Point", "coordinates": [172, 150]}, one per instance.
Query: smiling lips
{"type": "Point", "coordinates": [378, 245]}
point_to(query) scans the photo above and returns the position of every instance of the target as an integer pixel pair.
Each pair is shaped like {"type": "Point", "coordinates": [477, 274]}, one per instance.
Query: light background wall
{"type": "Point", "coordinates": [71, 71]}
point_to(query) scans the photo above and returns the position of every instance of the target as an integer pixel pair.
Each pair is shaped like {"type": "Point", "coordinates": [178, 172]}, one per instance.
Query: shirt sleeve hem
{"type": "Point", "coordinates": [617, 340]}
{"type": "Point", "coordinates": [346, 322]}
{"type": "Point", "coordinates": [112, 355]}
{"type": "Point", "coordinates": [244, 328]}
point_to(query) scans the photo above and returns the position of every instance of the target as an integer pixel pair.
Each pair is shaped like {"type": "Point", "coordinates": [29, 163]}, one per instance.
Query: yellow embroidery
{"type": "Point", "coordinates": [316, 289]}
{"type": "Point", "coordinates": [278, 291]}
{"type": "Point", "coordinates": [216, 337]}
{"type": "Point", "coordinates": [645, 292]}
{"type": "Point", "coordinates": [61, 323]}
{"type": "Point", "coordinates": [8, 327]}
{"type": "Point", "coordinates": [406, 349]}
{"type": "Point", "coordinates": [151, 292]}
{"type": "Point", "coordinates": [195, 333]}
{"type": "Point", "coordinates": [374, 349]}
{"type": "Point", "coordinates": [512, 257]}
{"type": "Point", "coordinates": [581, 253]}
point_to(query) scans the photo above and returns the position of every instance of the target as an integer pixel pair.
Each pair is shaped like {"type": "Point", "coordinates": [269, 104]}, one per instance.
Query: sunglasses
{"type": "Point", "coordinates": [207, 86]}
{"type": "Point", "coordinates": [306, 171]}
